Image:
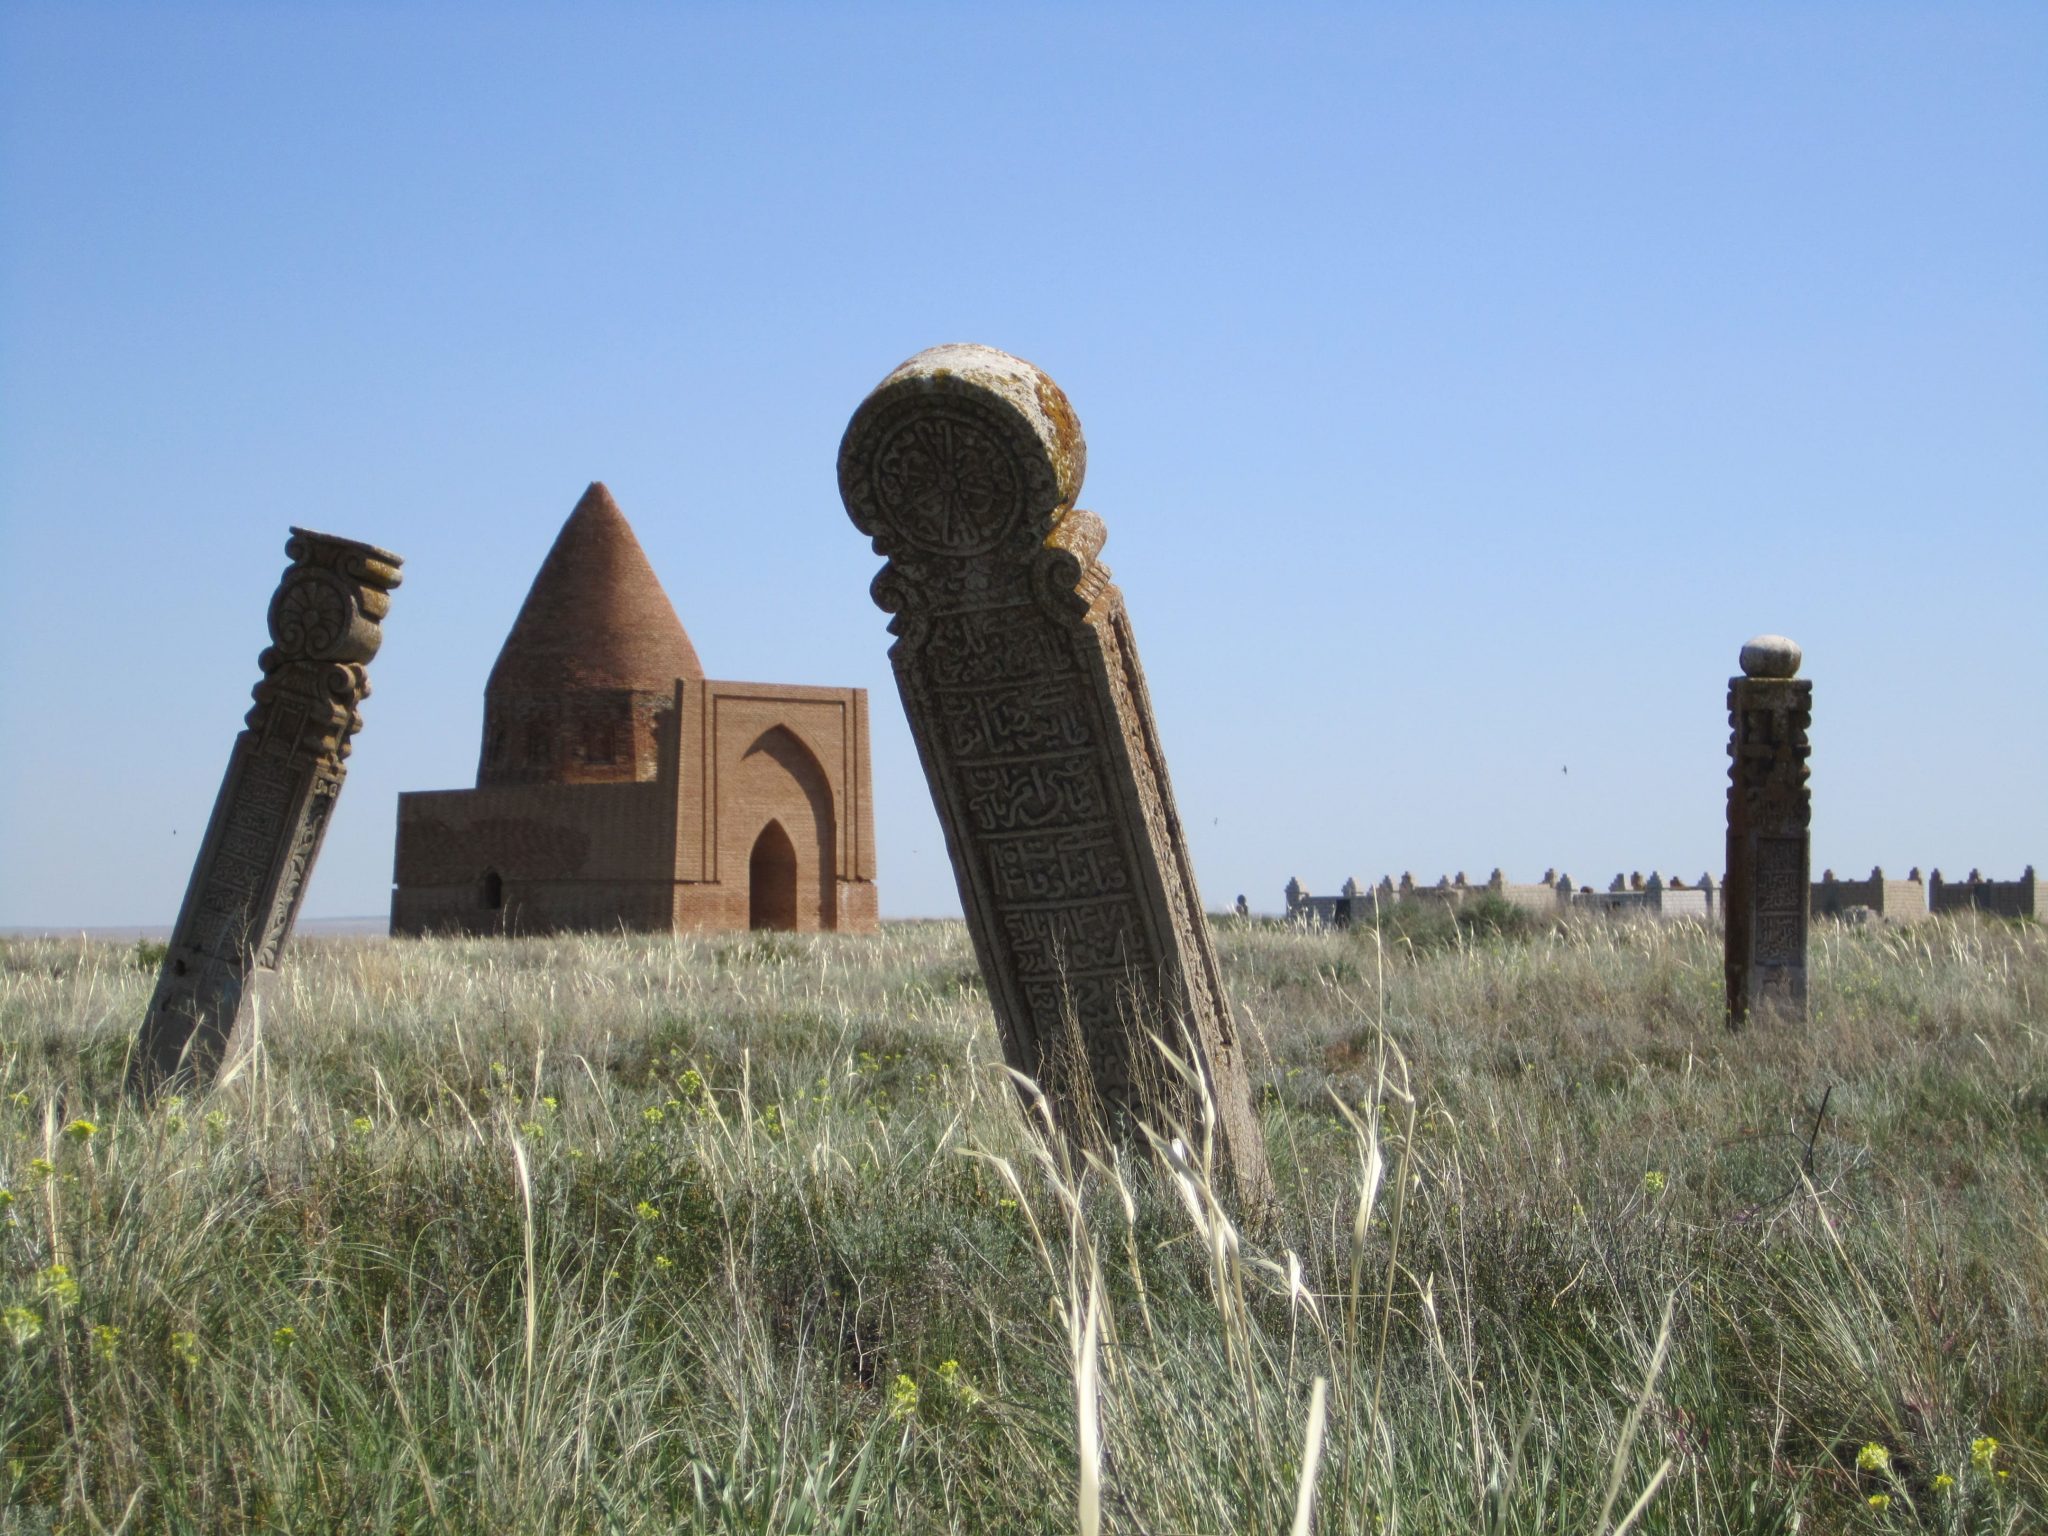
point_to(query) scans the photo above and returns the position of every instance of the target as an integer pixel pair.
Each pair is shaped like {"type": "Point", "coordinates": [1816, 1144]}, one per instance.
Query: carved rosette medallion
{"type": "Point", "coordinates": [311, 614]}
{"type": "Point", "coordinates": [1019, 673]}
{"type": "Point", "coordinates": [1765, 900]}
{"type": "Point", "coordinates": [945, 482]}
{"type": "Point", "coordinates": [272, 811]}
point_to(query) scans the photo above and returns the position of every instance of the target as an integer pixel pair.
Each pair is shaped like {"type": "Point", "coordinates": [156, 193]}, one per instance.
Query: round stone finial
{"type": "Point", "coordinates": [1770, 656]}
{"type": "Point", "coordinates": [958, 452]}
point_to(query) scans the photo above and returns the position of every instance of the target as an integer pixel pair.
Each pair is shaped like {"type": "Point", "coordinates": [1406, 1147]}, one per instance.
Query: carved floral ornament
{"type": "Point", "coordinates": [331, 602]}
{"type": "Point", "coordinates": [959, 452]}
{"type": "Point", "coordinates": [946, 485]}
{"type": "Point", "coordinates": [312, 615]}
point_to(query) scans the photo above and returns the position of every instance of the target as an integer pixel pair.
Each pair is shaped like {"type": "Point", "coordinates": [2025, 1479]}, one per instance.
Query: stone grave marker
{"type": "Point", "coordinates": [1019, 673]}
{"type": "Point", "coordinates": [1764, 897]}
{"type": "Point", "coordinates": [282, 778]}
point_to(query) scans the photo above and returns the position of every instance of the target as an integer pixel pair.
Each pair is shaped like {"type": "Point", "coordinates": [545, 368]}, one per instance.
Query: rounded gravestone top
{"type": "Point", "coordinates": [957, 450]}
{"type": "Point", "coordinates": [1770, 656]}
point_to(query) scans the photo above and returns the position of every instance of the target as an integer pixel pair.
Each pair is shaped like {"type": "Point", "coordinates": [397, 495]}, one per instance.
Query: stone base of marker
{"type": "Point", "coordinates": [1765, 899]}
{"type": "Point", "coordinates": [283, 776]}
{"type": "Point", "coordinates": [1019, 673]}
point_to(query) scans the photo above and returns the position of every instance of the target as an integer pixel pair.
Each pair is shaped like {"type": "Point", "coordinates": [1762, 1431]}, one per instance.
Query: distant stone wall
{"type": "Point", "coordinates": [1896, 901]}
{"type": "Point", "coordinates": [1548, 897]}
{"type": "Point", "coordinates": [2001, 898]}
{"type": "Point", "coordinates": [1656, 897]}
{"type": "Point", "coordinates": [1910, 900]}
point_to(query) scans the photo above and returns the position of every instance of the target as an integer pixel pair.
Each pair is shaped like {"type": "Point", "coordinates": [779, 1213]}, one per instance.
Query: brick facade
{"type": "Point", "coordinates": [619, 787]}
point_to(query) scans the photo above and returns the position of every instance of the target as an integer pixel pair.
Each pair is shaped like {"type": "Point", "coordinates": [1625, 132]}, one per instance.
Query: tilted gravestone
{"type": "Point", "coordinates": [1770, 809]}
{"type": "Point", "coordinates": [1019, 673]}
{"type": "Point", "coordinates": [274, 802]}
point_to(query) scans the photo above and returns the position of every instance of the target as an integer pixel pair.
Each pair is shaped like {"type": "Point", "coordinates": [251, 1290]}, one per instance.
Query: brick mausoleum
{"type": "Point", "coordinates": [618, 787]}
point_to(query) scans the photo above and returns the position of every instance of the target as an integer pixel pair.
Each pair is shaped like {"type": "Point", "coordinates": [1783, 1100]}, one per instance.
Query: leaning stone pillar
{"type": "Point", "coordinates": [1019, 672]}
{"type": "Point", "coordinates": [1764, 898]}
{"type": "Point", "coordinates": [274, 802]}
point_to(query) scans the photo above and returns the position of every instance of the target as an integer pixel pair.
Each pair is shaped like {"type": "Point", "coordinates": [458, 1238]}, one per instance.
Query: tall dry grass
{"type": "Point", "coordinates": [756, 1234]}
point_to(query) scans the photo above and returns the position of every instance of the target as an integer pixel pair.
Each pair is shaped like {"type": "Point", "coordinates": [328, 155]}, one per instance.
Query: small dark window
{"type": "Point", "coordinates": [493, 891]}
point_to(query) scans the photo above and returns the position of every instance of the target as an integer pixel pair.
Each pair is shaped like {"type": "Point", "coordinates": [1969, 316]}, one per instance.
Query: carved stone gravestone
{"type": "Point", "coordinates": [274, 802]}
{"type": "Point", "coordinates": [1764, 898]}
{"type": "Point", "coordinates": [1019, 672]}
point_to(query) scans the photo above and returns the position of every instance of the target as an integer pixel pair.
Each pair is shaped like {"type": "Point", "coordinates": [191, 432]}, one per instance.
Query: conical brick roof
{"type": "Point", "coordinates": [595, 617]}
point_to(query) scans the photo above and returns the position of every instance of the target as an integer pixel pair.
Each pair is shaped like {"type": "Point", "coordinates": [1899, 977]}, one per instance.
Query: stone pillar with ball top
{"type": "Point", "coordinates": [1019, 673]}
{"type": "Point", "coordinates": [1764, 898]}
{"type": "Point", "coordinates": [273, 807]}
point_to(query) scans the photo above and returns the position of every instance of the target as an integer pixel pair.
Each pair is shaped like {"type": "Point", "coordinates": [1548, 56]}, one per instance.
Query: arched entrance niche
{"type": "Point", "coordinates": [785, 801]}
{"type": "Point", "coordinates": [771, 880]}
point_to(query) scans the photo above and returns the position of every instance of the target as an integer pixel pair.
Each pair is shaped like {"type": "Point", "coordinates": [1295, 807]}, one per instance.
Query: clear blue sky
{"type": "Point", "coordinates": [1463, 384]}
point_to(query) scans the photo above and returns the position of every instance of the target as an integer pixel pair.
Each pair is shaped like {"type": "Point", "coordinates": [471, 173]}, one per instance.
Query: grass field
{"type": "Point", "coordinates": [620, 1234]}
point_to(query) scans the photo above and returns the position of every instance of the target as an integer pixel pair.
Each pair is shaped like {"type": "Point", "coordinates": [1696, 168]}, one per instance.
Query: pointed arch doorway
{"type": "Point", "coordinates": [787, 842]}
{"type": "Point", "coordinates": [771, 880]}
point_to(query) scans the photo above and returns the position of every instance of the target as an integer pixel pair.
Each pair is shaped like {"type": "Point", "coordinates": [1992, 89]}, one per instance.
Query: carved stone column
{"type": "Point", "coordinates": [1764, 900]}
{"type": "Point", "coordinates": [1020, 675]}
{"type": "Point", "coordinates": [282, 779]}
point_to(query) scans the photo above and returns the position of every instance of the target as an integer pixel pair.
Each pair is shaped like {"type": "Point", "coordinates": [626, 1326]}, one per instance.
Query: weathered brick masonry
{"type": "Point", "coordinates": [619, 787]}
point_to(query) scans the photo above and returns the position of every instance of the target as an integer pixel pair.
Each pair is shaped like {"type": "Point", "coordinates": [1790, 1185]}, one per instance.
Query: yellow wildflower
{"type": "Point", "coordinates": [1874, 1458]}
{"type": "Point", "coordinates": [1983, 1451]}
{"type": "Point", "coordinates": [185, 1348]}
{"type": "Point", "coordinates": [57, 1284]}
{"type": "Point", "coordinates": [285, 1337]}
{"type": "Point", "coordinates": [903, 1399]}
{"type": "Point", "coordinates": [81, 1130]}
{"type": "Point", "coordinates": [21, 1324]}
{"type": "Point", "coordinates": [1879, 1501]}
{"type": "Point", "coordinates": [1943, 1482]}
{"type": "Point", "coordinates": [1653, 1182]}
{"type": "Point", "coordinates": [646, 1211]}
{"type": "Point", "coordinates": [106, 1341]}
{"type": "Point", "coordinates": [962, 1390]}
{"type": "Point", "coordinates": [652, 1114]}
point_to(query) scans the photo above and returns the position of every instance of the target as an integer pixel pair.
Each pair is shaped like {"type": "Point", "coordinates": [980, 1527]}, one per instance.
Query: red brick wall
{"type": "Point", "coordinates": [566, 856]}
{"type": "Point", "coordinates": [751, 753]}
